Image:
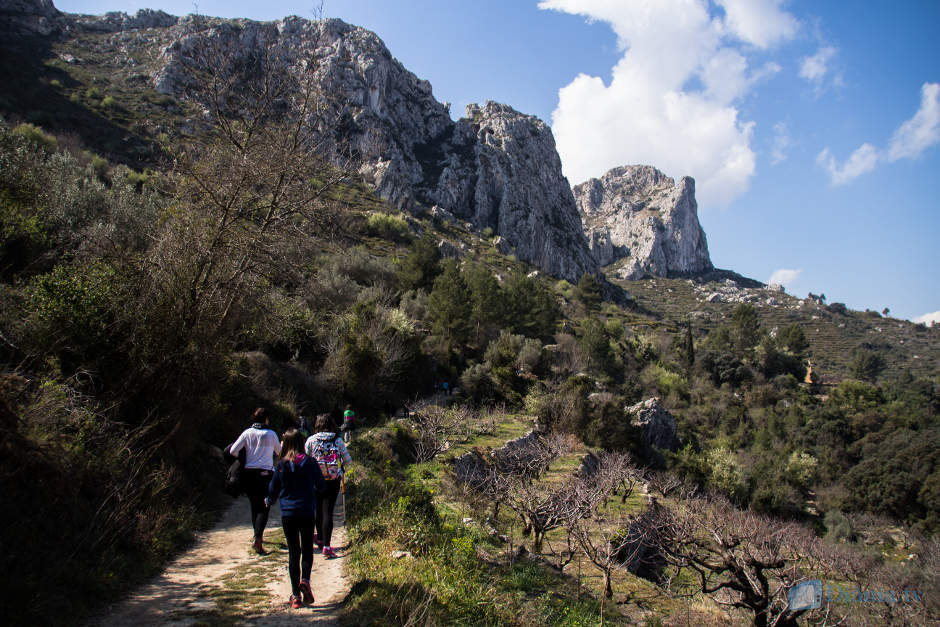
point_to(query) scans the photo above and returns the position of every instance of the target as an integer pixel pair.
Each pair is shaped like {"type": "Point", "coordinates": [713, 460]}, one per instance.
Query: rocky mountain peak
{"type": "Point", "coordinates": [500, 169]}
{"type": "Point", "coordinates": [496, 167]}
{"type": "Point", "coordinates": [637, 213]}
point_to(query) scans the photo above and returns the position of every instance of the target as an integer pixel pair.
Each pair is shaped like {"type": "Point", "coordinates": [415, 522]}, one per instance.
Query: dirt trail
{"type": "Point", "coordinates": [221, 581]}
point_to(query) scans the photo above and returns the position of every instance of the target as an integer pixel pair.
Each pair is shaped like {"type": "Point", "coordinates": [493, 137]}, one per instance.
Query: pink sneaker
{"type": "Point", "coordinates": [316, 540]}
{"type": "Point", "coordinates": [295, 602]}
{"type": "Point", "coordinates": [328, 552]}
{"type": "Point", "coordinates": [305, 592]}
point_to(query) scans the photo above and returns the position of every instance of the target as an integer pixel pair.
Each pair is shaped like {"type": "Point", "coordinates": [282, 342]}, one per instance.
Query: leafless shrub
{"type": "Point", "coordinates": [439, 427]}
{"type": "Point", "coordinates": [743, 560]}
{"type": "Point", "coordinates": [490, 418]}
{"type": "Point", "coordinates": [667, 484]}
{"type": "Point", "coordinates": [570, 357]}
{"type": "Point", "coordinates": [604, 539]}
{"type": "Point", "coordinates": [529, 456]}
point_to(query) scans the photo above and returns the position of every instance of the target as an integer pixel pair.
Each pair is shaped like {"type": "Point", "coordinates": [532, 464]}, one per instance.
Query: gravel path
{"type": "Point", "coordinates": [220, 580]}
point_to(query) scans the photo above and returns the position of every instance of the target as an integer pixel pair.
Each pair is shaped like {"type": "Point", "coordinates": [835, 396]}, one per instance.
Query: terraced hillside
{"type": "Point", "coordinates": [833, 336]}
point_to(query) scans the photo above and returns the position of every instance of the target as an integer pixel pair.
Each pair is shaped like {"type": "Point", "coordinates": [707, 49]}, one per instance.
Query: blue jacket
{"type": "Point", "coordinates": [296, 484]}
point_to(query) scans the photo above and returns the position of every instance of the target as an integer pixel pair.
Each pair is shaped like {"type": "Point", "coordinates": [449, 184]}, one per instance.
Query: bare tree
{"type": "Point", "coordinates": [606, 540]}
{"type": "Point", "coordinates": [435, 427]}
{"type": "Point", "coordinates": [527, 458]}
{"type": "Point", "coordinates": [743, 560]}
{"type": "Point", "coordinates": [254, 179]}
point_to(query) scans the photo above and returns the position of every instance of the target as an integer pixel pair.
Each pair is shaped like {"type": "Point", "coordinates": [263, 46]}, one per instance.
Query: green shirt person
{"type": "Point", "coordinates": [349, 423]}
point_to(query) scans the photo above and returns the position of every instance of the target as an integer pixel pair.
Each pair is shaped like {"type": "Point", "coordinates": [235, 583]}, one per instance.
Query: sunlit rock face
{"type": "Point", "coordinates": [639, 214]}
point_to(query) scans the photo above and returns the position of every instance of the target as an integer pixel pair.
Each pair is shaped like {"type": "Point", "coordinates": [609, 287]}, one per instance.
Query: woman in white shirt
{"type": "Point", "coordinates": [261, 444]}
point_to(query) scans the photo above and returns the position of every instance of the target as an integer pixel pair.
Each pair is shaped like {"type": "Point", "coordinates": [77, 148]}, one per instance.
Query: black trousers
{"type": "Point", "coordinates": [326, 502]}
{"type": "Point", "coordinates": [256, 483]}
{"type": "Point", "coordinates": [298, 532]}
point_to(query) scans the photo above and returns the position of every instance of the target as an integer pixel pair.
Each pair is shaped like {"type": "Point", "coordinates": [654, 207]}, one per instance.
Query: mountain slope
{"type": "Point", "coordinates": [122, 81]}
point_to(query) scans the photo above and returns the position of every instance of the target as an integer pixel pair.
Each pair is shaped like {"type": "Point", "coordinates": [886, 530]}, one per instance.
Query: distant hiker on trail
{"type": "Point", "coordinates": [305, 427]}
{"type": "Point", "coordinates": [261, 445]}
{"type": "Point", "coordinates": [446, 387]}
{"type": "Point", "coordinates": [297, 481]}
{"type": "Point", "coordinates": [349, 423]}
{"type": "Point", "coordinates": [329, 450]}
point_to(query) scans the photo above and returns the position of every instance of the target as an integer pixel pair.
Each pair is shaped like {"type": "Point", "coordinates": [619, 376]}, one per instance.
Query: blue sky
{"type": "Point", "coordinates": [812, 128]}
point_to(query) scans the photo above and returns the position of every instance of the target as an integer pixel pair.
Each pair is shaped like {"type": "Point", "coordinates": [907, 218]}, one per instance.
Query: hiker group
{"type": "Point", "coordinates": [304, 471]}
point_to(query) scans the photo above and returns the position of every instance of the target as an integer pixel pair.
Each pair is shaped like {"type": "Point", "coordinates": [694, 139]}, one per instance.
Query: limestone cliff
{"type": "Point", "coordinates": [639, 214]}
{"type": "Point", "coordinates": [496, 168]}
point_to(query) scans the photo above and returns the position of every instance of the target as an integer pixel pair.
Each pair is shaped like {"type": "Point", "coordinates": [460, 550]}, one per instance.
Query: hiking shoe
{"type": "Point", "coordinates": [316, 540]}
{"type": "Point", "coordinates": [328, 552]}
{"type": "Point", "coordinates": [305, 592]}
{"type": "Point", "coordinates": [258, 547]}
{"type": "Point", "coordinates": [295, 602]}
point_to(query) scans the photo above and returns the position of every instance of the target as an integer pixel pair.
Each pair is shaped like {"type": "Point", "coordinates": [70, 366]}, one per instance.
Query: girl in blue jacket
{"type": "Point", "coordinates": [296, 481]}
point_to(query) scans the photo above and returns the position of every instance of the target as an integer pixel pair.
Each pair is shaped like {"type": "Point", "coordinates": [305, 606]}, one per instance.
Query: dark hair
{"type": "Point", "coordinates": [325, 423]}
{"type": "Point", "coordinates": [260, 415]}
{"type": "Point", "coordinates": [292, 443]}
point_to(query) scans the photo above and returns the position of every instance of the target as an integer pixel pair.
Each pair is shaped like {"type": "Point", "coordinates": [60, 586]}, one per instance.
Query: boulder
{"type": "Point", "coordinates": [657, 427]}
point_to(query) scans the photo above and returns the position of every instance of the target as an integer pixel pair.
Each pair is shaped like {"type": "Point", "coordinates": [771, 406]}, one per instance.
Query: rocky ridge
{"type": "Point", "coordinates": [495, 168]}
{"type": "Point", "coordinates": [639, 214]}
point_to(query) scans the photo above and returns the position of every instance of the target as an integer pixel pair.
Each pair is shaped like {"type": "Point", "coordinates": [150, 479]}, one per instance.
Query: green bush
{"type": "Point", "coordinates": [838, 527]}
{"type": "Point", "coordinates": [665, 381]}
{"type": "Point", "coordinates": [449, 304]}
{"type": "Point", "coordinates": [866, 365]}
{"type": "Point", "coordinates": [422, 264]}
{"type": "Point", "coordinates": [388, 226]}
{"type": "Point", "coordinates": [589, 291]}
{"type": "Point", "coordinates": [37, 136]}
{"type": "Point", "coordinates": [726, 475]}
{"type": "Point", "coordinates": [75, 307]}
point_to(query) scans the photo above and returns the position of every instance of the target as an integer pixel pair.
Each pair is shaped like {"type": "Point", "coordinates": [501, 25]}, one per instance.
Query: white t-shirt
{"type": "Point", "coordinates": [260, 447]}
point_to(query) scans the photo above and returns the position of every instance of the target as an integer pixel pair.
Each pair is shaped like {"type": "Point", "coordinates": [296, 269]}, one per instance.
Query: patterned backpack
{"type": "Point", "coordinates": [328, 458]}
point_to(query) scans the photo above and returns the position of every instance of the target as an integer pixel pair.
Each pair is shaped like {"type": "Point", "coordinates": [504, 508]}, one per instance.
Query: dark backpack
{"type": "Point", "coordinates": [233, 476]}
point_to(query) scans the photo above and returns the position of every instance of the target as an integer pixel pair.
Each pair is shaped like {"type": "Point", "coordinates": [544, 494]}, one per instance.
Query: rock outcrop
{"type": "Point", "coordinates": [656, 425]}
{"type": "Point", "coordinates": [639, 214]}
{"type": "Point", "coordinates": [495, 168]}
{"type": "Point", "coordinates": [24, 18]}
{"type": "Point", "coordinates": [500, 169]}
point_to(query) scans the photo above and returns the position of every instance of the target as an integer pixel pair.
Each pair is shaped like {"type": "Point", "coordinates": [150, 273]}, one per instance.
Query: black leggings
{"type": "Point", "coordinates": [298, 532]}
{"type": "Point", "coordinates": [326, 502]}
{"type": "Point", "coordinates": [255, 481]}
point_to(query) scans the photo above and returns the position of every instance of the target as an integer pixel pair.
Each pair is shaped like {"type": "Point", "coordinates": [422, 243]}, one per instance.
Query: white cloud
{"type": "Point", "coordinates": [759, 23]}
{"type": "Point", "coordinates": [815, 68]}
{"type": "Point", "coordinates": [909, 141]}
{"type": "Point", "coordinates": [922, 131]}
{"type": "Point", "coordinates": [785, 277]}
{"type": "Point", "coordinates": [862, 160]}
{"type": "Point", "coordinates": [781, 143]}
{"type": "Point", "coordinates": [929, 319]}
{"type": "Point", "coordinates": [648, 113]}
